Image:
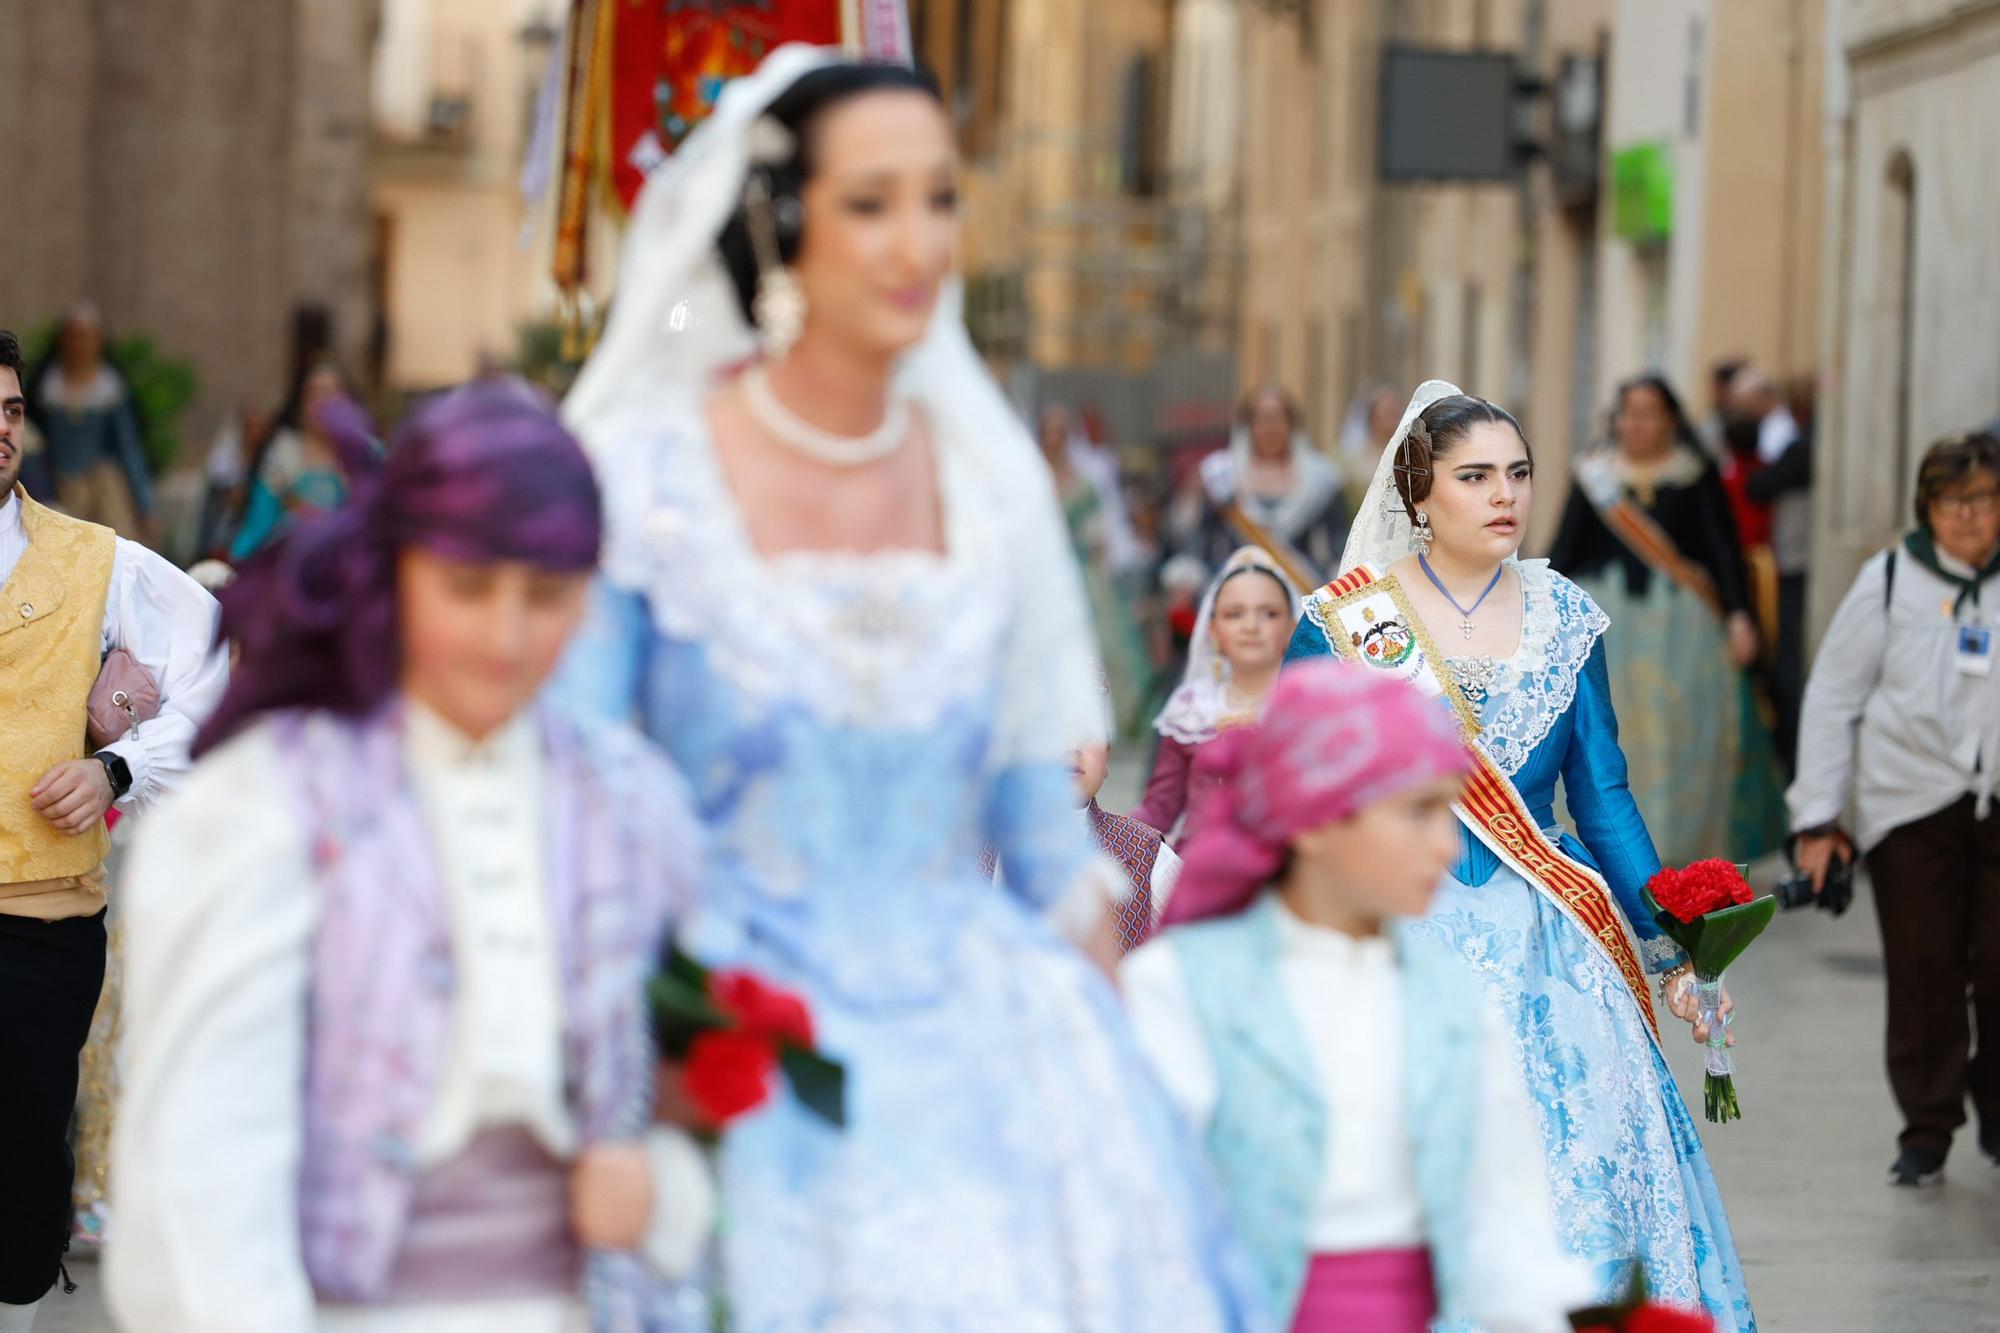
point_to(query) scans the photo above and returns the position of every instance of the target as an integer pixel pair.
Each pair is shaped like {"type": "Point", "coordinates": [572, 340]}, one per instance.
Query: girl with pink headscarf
{"type": "Point", "coordinates": [1357, 1096]}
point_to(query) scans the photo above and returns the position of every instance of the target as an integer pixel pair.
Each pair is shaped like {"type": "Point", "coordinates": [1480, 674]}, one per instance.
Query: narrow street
{"type": "Point", "coordinates": [1829, 1247]}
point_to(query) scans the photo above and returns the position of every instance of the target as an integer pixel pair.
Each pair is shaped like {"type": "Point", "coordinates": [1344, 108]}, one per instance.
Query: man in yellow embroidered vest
{"type": "Point", "coordinates": [70, 592]}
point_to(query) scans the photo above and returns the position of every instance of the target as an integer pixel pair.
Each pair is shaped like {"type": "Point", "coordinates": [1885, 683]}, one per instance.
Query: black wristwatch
{"type": "Point", "coordinates": [117, 770]}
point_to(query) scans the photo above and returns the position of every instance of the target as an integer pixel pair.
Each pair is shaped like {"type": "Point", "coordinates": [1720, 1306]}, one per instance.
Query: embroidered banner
{"type": "Point", "coordinates": [673, 59]}
{"type": "Point", "coordinates": [1370, 620]}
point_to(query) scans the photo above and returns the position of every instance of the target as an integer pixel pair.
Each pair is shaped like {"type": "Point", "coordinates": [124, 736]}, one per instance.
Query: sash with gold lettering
{"type": "Point", "coordinates": [1599, 481]}
{"type": "Point", "coordinates": [1370, 620]}
{"type": "Point", "coordinates": [1283, 554]}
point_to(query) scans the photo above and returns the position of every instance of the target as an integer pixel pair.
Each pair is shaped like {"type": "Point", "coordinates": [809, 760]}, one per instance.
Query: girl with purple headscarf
{"type": "Point", "coordinates": [1356, 1095]}
{"type": "Point", "coordinates": [389, 1067]}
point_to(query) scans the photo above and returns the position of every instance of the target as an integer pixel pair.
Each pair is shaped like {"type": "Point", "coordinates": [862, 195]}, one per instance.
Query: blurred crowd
{"type": "Point", "coordinates": [268, 466]}
{"type": "Point", "coordinates": [1729, 489]}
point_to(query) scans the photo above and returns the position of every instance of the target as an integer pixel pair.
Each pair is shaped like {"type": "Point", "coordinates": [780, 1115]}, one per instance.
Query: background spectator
{"type": "Point", "coordinates": [1785, 486]}
{"type": "Point", "coordinates": [1903, 709]}
{"type": "Point", "coordinates": [1273, 490]}
{"type": "Point", "coordinates": [92, 445]}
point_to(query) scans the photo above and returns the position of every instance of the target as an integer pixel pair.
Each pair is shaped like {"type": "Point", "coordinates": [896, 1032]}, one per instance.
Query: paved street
{"type": "Point", "coordinates": [1828, 1246]}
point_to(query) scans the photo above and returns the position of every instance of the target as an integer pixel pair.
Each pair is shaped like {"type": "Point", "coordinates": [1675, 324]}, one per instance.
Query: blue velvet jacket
{"type": "Point", "coordinates": [1561, 725]}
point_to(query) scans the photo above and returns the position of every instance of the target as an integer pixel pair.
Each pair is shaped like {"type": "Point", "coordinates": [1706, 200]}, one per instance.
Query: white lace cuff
{"type": "Point", "coordinates": [683, 1203]}
{"type": "Point", "coordinates": [1099, 886]}
{"type": "Point", "coordinates": [1661, 954]}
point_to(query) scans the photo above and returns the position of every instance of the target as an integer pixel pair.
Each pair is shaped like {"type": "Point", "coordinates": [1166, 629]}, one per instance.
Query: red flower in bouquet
{"type": "Point", "coordinates": [1666, 1319]}
{"type": "Point", "coordinates": [728, 1032]}
{"type": "Point", "coordinates": [762, 1010]}
{"type": "Point", "coordinates": [1709, 910]}
{"type": "Point", "coordinates": [1699, 889]}
{"type": "Point", "coordinates": [1650, 1318]}
{"type": "Point", "coordinates": [728, 1073]}
{"type": "Point", "coordinates": [1638, 1313]}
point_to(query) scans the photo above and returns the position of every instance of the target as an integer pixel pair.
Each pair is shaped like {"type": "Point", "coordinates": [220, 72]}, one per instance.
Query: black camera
{"type": "Point", "coordinates": [1835, 896]}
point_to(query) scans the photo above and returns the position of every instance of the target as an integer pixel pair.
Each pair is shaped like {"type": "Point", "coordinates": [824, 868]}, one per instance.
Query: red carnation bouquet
{"type": "Point", "coordinates": [1709, 910]}
{"type": "Point", "coordinates": [732, 1032]}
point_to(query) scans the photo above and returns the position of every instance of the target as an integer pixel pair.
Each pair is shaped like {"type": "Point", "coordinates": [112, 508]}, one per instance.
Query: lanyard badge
{"type": "Point", "coordinates": [1975, 651]}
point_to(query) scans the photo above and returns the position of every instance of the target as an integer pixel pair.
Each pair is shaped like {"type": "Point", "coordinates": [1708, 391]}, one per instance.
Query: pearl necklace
{"type": "Point", "coordinates": [801, 436]}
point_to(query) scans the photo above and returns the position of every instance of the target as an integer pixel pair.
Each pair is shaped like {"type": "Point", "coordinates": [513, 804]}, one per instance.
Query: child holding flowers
{"type": "Point", "coordinates": [389, 1067]}
{"type": "Point", "coordinates": [1357, 1096]}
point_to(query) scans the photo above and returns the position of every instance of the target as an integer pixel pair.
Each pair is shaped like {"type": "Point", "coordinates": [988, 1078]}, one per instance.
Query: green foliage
{"type": "Point", "coordinates": [544, 359]}
{"type": "Point", "coordinates": [162, 390]}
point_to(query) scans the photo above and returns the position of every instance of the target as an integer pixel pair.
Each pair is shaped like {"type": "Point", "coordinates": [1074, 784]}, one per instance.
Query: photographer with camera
{"type": "Point", "coordinates": [1904, 700]}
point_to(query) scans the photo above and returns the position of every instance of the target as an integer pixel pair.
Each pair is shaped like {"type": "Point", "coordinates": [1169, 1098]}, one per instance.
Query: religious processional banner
{"type": "Point", "coordinates": [641, 75]}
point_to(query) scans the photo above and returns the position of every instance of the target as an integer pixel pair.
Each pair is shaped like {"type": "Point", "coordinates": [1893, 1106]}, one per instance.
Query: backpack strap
{"type": "Point", "coordinates": [1889, 580]}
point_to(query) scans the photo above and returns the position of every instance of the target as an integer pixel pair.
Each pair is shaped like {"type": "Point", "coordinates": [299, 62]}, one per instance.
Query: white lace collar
{"type": "Point", "coordinates": [861, 637]}
{"type": "Point", "coordinates": [1521, 699]}
{"type": "Point", "coordinates": [102, 390]}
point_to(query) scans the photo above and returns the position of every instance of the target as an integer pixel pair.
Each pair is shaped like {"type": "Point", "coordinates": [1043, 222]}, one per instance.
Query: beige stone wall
{"type": "Point", "coordinates": [1761, 221]}
{"type": "Point", "coordinates": [1559, 406]}
{"type": "Point", "coordinates": [1923, 91]}
{"type": "Point", "coordinates": [195, 167]}
{"type": "Point", "coordinates": [1309, 206]}
{"type": "Point", "coordinates": [1648, 306]}
{"type": "Point", "coordinates": [1735, 89]}
{"type": "Point", "coordinates": [459, 283]}
{"type": "Point", "coordinates": [1348, 281]}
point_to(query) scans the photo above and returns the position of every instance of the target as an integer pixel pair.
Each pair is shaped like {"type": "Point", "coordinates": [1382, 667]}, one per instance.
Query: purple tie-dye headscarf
{"type": "Point", "coordinates": [483, 473]}
{"type": "Point", "coordinates": [1335, 738]}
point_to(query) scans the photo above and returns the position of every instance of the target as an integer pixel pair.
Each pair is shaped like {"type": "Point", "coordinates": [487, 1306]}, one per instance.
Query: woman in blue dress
{"type": "Point", "coordinates": [838, 591]}
{"type": "Point", "coordinates": [1552, 922]}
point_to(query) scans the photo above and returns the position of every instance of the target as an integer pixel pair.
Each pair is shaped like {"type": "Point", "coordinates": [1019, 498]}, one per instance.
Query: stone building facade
{"type": "Point", "coordinates": [1527, 291]}
{"type": "Point", "coordinates": [199, 169]}
{"type": "Point", "coordinates": [1910, 322]}
{"type": "Point", "coordinates": [1093, 276]}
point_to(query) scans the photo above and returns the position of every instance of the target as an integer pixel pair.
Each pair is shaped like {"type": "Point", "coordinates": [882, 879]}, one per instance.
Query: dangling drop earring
{"type": "Point", "coordinates": [780, 303]}
{"type": "Point", "coordinates": [1424, 534]}
{"type": "Point", "coordinates": [780, 307]}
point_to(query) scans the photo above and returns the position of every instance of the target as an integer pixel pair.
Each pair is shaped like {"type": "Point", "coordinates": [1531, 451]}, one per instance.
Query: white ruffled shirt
{"type": "Point", "coordinates": [1346, 996]}
{"type": "Point", "coordinates": [220, 912]}
{"type": "Point", "coordinates": [167, 621]}
{"type": "Point", "coordinates": [504, 1063]}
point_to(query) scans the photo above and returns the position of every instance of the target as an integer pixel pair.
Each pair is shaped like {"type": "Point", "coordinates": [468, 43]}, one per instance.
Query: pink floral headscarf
{"type": "Point", "coordinates": [1336, 737]}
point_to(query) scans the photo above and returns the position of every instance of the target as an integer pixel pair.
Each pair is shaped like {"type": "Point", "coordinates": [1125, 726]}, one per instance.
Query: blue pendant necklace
{"type": "Point", "coordinates": [1465, 613]}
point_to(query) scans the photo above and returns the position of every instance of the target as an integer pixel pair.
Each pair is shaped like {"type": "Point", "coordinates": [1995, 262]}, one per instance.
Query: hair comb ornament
{"type": "Point", "coordinates": [771, 144]}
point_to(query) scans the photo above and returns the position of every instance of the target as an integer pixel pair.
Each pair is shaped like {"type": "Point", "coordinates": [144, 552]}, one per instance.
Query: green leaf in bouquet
{"type": "Point", "coordinates": [681, 1011]}
{"type": "Point", "coordinates": [820, 1084]}
{"type": "Point", "coordinates": [687, 968]}
{"type": "Point", "coordinates": [1720, 938]}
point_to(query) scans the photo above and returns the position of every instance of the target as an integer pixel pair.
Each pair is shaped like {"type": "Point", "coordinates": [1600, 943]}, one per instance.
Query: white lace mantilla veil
{"type": "Point", "coordinates": [1202, 697]}
{"type": "Point", "coordinates": [676, 327]}
{"type": "Point", "coordinates": [1383, 532]}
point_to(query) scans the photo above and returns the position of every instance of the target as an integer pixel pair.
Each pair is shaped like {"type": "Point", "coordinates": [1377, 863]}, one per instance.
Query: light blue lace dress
{"type": "Point", "coordinates": [1628, 1175]}
{"type": "Point", "coordinates": [855, 729]}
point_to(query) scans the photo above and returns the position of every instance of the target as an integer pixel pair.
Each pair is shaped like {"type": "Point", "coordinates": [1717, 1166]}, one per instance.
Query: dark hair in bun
{"type": "Point", "coordinates": [798, 109]}
{"type": "Point", "coordinates": [1439, 429]}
